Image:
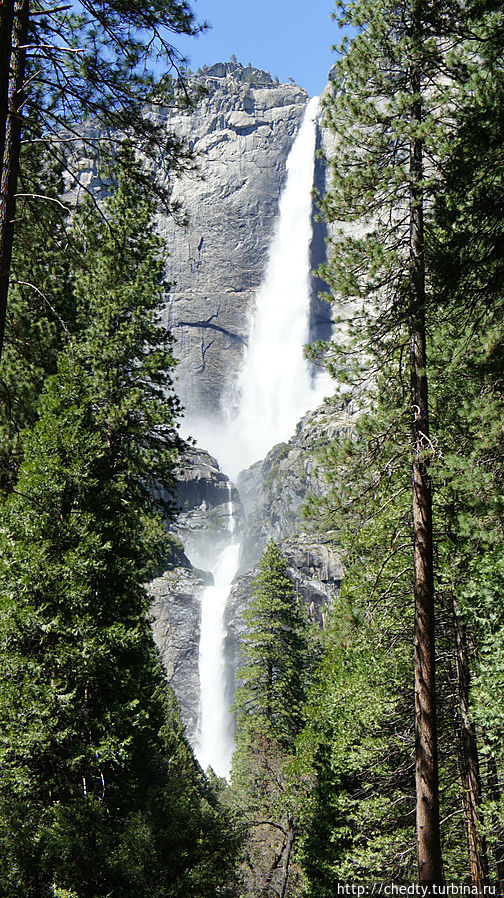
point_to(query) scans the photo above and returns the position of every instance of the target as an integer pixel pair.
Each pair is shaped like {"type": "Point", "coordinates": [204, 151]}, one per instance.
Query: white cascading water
{"type": "Point", "coordinates": [275, 389]}
{"type": "Point", "coordinates": [215, 748]}
{"type": "Point", "coordinates": [275, 386]}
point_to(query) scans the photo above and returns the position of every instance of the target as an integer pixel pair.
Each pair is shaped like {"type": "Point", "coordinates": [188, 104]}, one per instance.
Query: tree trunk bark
{"type": "Point", "coordinates": [287, 857]}
{"type": "Point", "coordinates": [427, 785]}
{"type": "Point", "coordinates": [11, 150]}
{"type": "Point", "coordinates": [468, 764]}
{"type": "Point", "coordinates": [6, 20]}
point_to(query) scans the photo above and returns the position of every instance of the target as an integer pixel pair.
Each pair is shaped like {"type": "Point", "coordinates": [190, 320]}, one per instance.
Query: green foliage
{"type": "Point", "coordinates": [40, 309]}
{"type": "Point", "coordinates": [398, 84]}
{"type": "Point", "coordinates": [360, 741]}
{"type": "Point", "coordinates": [359, 738]}
{"type": "Point", "coordinates": [99, 791]}
{"type": "Point", "coordinates": [275, 649]}
{"type": "Point", "coordinates": [468, 398]}
{"type": "Point", "coordinates": [266, 789]}
{"type": "Point", "coordinates": [122, 344]}
{"type": "Point", "coordinates": [103, 77]}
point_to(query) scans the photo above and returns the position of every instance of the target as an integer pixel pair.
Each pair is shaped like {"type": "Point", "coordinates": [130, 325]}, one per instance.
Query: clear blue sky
{"type": "Point", "coordinates": [288, 38]}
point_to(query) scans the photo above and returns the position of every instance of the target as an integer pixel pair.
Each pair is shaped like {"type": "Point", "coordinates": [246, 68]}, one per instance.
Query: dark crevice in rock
{"type": "Point", "coordinates": [204, 350]}
{"type": "Point", "coordinates": [208, 325]}
{"type": "Point", "coordinates": [320, 311]}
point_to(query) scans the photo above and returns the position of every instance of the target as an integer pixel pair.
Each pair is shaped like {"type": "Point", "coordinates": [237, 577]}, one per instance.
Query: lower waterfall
{"type": "Point", "coordinates": [215, 746]}
{"type": "Point", "coordinates": [216, 742]}
{"type": "Point", "coordinates": [275, 388]}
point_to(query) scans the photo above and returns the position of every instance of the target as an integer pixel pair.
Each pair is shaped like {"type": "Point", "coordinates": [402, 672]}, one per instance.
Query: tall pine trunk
{"type": "Point", "coordinates": [12, 73]}
{"type": "Point", "coordinates": [6, 19]}
{"type": "Point", "coordinates": [427, 781]}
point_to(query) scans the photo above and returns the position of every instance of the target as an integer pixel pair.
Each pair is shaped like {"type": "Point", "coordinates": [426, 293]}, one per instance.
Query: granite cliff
{"type": "Point", "coordinates": [241, 132]}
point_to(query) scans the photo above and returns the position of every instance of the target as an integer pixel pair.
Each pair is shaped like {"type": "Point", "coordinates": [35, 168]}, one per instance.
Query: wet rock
{"type": "Point", "coordinates": [176, 600]}
{"type": "Point", "coordinates": [277, 488]}
{"type": "Point", "coordinates": [210, 507]}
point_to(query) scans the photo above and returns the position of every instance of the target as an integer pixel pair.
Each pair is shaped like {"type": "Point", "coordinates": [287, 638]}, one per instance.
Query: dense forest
{"type": "Point", "coordinates": [369, 750]}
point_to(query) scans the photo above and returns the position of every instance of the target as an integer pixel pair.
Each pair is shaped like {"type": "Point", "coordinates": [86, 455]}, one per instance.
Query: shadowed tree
{"type": "Point", "coordinates": [63, 64]}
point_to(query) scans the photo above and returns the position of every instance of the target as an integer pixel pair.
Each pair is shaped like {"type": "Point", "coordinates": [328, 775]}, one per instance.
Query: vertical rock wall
{"type": "Point", "coordinates": [241, 133]}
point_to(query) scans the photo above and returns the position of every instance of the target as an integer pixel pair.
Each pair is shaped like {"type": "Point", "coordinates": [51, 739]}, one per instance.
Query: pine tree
{"type": "Point", "coordinates": [467, 263]}
{"type": "Point", "coordinates": [377, 200]}
{"type": "Point", "coordinates": [99, 791]}
{"type": "Point", "coordinates": [359, 740]}
{"type": "Point", "coordinates": [272, 691]}
{"type": "Point", "coordinates": [41, 313]}
{"type": "Point", "coordinates": [269, 705]}
{"type": "Point", "coordinates": [63, 66]}
{"type": "Point", "coordinates": [393, 80]}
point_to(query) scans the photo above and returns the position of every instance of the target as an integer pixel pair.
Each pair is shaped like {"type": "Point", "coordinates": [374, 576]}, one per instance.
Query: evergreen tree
{"type": "Point", "coordinates": [61, 66]}
{"type": "Point", "coordinates": [391, 84]}
{"type": "Point", "coordinates": [269, 703]}
{"type": "Point", "coordinates": [367, 511]}
{"type": "Point", "coordinates": [467, 263]}
{"type": "Point", "coordinates": [99, 792]}
{"type": "Point", "coordinates": [275, 649]}
{"type": "Point", "coordinates": [41, 315]}
{"type": "Point", "coordinates": [359, 740]}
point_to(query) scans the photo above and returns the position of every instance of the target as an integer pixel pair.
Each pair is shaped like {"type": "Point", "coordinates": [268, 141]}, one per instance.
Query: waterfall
{"type": "Point", "coordinates": [275, 388]}
{"type": "Point", "coordinates": [215, 744]}
{"type": "Point", "coordinates": [275, 383]}
{"type": "Point", "coordinates": [231, 519]}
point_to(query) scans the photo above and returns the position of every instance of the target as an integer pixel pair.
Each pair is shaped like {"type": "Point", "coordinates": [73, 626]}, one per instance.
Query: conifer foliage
{"type": "Point", "coordinates": [99, 791]}
{"type": "Point", "coordinates": [417, 251]}
{"type": "Point", "coordinates": [63, 63]}
{"type": "Point", "coordinates": [393, 82]}
{"type": "Point", "coordinates": [269, 706]}
{"type": "Point", "coordinates": [273, 677]}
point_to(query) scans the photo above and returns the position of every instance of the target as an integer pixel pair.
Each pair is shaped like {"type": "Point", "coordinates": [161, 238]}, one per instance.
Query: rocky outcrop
{"type": "Point", "coordinates": [241, 132]}
{"type": "Point", "coordinates": [274, 492]}
{"type": "Point", "coordinates": [317, 570]}
{"type": "Point", "coordinates": [175, 609]}
{"type": "Point", "coordinates": [209, 505]}
{"type": "Point", "coordinates": [275, 489]}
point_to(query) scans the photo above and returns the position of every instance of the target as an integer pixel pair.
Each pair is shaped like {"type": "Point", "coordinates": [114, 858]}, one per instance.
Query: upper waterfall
{"type": "Point", "coordinates": [275, 386]}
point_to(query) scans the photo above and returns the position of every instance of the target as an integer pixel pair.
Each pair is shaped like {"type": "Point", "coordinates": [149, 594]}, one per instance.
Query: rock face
{"type": "Point", "coordinates": [241, 133]}
{"type": "Point", "coordinates": [274, 492]}
{"type": "Point", "coordinates": [175, 609]}
{"type": "Point", "coordinates": [207, 501]}
{"type": "Point", "coordinates": [276, 488]}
